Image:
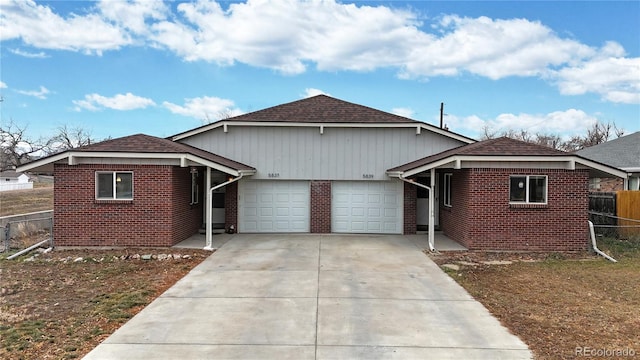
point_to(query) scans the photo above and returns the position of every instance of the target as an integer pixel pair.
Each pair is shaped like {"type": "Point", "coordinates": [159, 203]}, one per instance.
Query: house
{"type": "Point", "coordinates": [321, 165]}
{"type": "Point", "coordinates": [622, 153]}
{"type": "Point", "coordinates": [11, 180]}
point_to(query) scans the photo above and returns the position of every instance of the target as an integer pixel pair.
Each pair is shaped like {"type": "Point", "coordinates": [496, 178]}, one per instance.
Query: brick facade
{"type": "Point", "coordinates": [410, 204]}
{"type": "Point", "coordinates": [320, 217]}
{"type": "Point", "coordinates": [482, 218]}
{"type": "Point", "coordinates": [231, 207]}
{"type": "Point", "coordinates": [160, 213]}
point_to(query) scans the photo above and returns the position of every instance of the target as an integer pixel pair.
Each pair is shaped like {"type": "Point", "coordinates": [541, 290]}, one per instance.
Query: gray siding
{"type": "Point", "coordinates": [300, 153]}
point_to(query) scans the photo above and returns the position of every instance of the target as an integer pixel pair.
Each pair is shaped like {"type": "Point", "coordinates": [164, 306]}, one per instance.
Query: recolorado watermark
{"type": "Point", "coordinates": [587, 351]}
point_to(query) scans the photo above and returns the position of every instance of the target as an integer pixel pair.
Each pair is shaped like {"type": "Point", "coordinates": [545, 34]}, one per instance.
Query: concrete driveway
{"type": "Point", "coordinates": [314, 297]}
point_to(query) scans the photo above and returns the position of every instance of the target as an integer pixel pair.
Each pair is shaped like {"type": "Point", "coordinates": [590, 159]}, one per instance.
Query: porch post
{"type": "Point", "coordinates": [432, 215]}
{"type": "Point", "coordinates": [208, 226]}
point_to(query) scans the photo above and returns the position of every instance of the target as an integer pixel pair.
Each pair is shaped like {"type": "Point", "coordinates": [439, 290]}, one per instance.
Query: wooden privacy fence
{"type": "Point", "coordinates": [628, 207]}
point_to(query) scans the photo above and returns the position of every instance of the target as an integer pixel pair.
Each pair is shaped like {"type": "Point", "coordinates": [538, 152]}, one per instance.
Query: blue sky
{"type": "Point", "coordinates": [119, 67]}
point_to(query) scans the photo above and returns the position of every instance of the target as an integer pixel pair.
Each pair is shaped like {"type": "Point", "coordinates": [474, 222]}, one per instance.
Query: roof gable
{"type": "Point", "coordinates": [322, 109]}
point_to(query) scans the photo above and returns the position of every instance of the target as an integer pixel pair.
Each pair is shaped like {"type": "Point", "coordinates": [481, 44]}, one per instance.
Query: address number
{"type": "Point", "coordinates": [273, 175]}
{"type": "Point", "coordinates": [367, 176]}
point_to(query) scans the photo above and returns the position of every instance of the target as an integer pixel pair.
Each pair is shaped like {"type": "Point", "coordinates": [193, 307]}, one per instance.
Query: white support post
{"type": "Point", "coordinates": [209, 217]}
{"type": "Point", "coordinates": [432, 214]}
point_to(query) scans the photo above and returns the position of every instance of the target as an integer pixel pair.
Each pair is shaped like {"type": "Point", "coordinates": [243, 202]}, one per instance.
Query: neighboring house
{"type": "Point", "coordinates": [321, 165]}
{"type": "Point", "coordinates": [623, 153]}
{"type": "Point", "coordinates": [11, 180]}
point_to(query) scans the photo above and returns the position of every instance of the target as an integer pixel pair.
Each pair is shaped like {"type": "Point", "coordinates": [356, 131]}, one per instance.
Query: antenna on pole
{"type": "Point", "coordinates": [441, 115]}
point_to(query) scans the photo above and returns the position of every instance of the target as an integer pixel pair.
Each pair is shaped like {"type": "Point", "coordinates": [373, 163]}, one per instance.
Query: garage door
{"type": "Point", "coordinates": [273, 206]}
{"type": "Point", "coordinates": [366, 207]}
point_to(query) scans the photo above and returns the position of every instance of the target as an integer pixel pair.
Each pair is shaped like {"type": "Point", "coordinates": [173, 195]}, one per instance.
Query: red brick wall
{"type": "Point", "coordinates": [231, 206]}
{"type": "Point", "coordinates": [187, 218]}
{"type": "Point", "coordinates": [454, 219]}
{"type": "Point", "coordinates": [410, 206]}
{"type": "Point", "coordinates": [320, 217]}
{"type": "Point", "coordinates": [158, 215]}
{"type": "Point", "coordinates": [482, 218]}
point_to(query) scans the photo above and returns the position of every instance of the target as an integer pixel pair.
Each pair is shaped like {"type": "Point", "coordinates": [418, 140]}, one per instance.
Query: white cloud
{"type": "Point", "coordinates": [133, 14]}
{"type": "Point", "coordinates": [615, 78]}
{"type": "Point", "coordinates": [564, 123]}
{"type": "Point", "coordinates": [39, 55]}
{"type": "Point", "coordinates": [493, 48]}
{"type": "Point", "coordinates": [40, 93]}
{"type": "Point", "coordinates": [289, 36]}
{"type": "Point", "coordinates": [406, 112]}
{"type": "Point", "coordinates": [38, 26]}
{"type": "Point", "coordinates": [205, 108]}
{"type": "Point", "coordinates": [3, 85]}
{"type": "Point", "coordinates": [128, 101]}
{"type": "Point", "coordinates": [309, 92]}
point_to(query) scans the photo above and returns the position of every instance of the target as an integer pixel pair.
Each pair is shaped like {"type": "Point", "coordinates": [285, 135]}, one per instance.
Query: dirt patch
{"type": "Point", "coordinates": [62, 304]}
{"type": "Point", "coordinates": [562, 305]}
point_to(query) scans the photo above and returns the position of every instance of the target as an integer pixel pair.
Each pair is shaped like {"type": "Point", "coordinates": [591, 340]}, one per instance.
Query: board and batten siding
{"type": "Point", "coordinates": [301, 153]}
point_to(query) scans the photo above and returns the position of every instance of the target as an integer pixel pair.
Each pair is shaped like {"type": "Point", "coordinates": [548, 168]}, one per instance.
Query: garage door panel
{"type": "Point", "coordinates": [366, 207]}
{"type": "Point", "coordinates": [273, 206]}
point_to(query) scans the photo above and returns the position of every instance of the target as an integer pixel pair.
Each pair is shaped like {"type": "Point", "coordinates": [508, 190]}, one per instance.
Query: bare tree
{"type": "Point", "coordinates": [16, 148]}
{"type": "Point", "coordinates": [69, 138]}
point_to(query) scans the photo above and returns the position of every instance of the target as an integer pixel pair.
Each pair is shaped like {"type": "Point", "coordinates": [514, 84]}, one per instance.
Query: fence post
{"type": "Point", "coordinates": [7, 231]}
{"type": "Point", "coordinates": [51, 232]}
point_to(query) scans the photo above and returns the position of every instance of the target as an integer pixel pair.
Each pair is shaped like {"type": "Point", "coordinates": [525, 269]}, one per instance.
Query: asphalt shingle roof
{"type": "Point", "coordinates": [623, 152]}
{"type": "Point", "coordinates": [502, 146]}
{"type": "Point", "coordinates": [322, 109]}
{"type": "Point", "coordinates": [141, 143]}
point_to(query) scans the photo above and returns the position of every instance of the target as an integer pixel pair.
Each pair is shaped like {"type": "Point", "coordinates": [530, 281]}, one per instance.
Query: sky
{"type": "Point", "coordinates": [122, 67]}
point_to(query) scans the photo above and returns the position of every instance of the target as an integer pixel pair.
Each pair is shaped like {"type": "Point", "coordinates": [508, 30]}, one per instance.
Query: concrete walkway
{"type": "Point", "coordinates": [314, 297]}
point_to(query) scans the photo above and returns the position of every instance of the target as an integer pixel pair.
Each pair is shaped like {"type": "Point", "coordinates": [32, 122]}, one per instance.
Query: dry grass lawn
{"type": "Point", "coordinates": [58, 308]}
{"type": "Point", "coordinates": [559, 305]}
{"type": "Point", "coordinates": [25, 201]}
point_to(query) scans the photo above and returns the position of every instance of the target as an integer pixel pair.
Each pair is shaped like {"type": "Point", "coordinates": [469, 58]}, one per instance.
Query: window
{"type": "Point", "coordinates": [195, 187]}
{"type": "Point", "coordinates": [447, 189]}
{"type": "Point", "coordinates": [528, 189]}
{"type": "Point", "coordinates": [634, 183]}
{"type": "Point", "coordinates": [114, 185]}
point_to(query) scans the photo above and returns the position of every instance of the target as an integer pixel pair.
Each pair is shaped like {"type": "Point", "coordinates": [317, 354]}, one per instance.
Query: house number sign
{"type": "Point", "coordinates": [273, 175]}
{"type": "Point", "coordinates": [367, 176]}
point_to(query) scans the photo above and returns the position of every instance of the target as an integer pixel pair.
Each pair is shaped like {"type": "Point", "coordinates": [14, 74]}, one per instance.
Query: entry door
{"type": "Point", "coordinates": [366, 207]}
{"type": "Point", "coordinates": [273, 206]}
{"type": "Point", "coordinates": [422, 210]}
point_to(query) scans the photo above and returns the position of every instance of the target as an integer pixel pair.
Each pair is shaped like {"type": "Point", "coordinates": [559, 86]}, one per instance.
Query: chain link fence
{"type": "Point", "coordinates": [22, 234]}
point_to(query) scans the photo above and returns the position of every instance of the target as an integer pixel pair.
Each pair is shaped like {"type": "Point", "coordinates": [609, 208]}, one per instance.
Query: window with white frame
{"type": "Point", "coordinates": [195, 187]}
{"type": "Point", "coordinates": [447, 189]}
{"type": "Point", "coordinates": [528, 189]}
{"type": "Point", "coordinates": [114, 185]}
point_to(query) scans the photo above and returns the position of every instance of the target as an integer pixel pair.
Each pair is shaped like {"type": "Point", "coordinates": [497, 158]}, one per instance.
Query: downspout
{"type": "Point", "coordinates": [595, 246]}
{"type": "Point", "coordinates": [431, 214]}
{"type": "Point", "coordinates": [209, 212]}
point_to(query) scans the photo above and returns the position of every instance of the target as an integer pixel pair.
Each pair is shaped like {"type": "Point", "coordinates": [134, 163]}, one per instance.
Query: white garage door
{"type": "Point", "coordinates": [273, 206]}
{"type": "Point", "coordinates": [366, 207]}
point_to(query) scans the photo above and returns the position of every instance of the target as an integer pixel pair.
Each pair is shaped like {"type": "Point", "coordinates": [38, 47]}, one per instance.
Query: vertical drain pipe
{"type": "Point", "coordinates": [431, 235]}
{"type": "Point", "coordinates": [595, 246]}
{"type": "Point", "coordinates": [209, 245]}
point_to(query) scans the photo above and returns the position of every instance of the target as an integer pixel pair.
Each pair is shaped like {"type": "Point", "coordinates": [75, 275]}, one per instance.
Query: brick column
{"type": "Point", "coordinates": [320, 217]}
{"type": "Point", "coordinates": [231, 206]}
{"type": "Point", "coordinates": [410, 206]}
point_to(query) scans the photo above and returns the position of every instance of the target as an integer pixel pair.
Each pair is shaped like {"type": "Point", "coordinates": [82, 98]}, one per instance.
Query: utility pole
{"type": "Point", "coordinates": [441, 115]}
